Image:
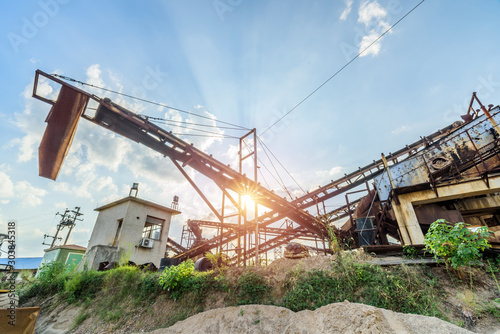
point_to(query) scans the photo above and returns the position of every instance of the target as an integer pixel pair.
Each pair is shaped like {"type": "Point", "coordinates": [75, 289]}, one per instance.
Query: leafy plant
{"type": "Point", "coordinates": [410, 252]}
{"type": "Point", "coordinates": [456, 244]}
{"type": "Point", "coordinates": [173, 277]}
{"type": "Point", "coordinates": [218, 260]}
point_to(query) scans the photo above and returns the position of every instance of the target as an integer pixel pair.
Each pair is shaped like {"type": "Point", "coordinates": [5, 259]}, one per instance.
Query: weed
{"type": "Point", "coordinates": [83, 285]}
{"type": "Point", "coordinates": [80, 319]}
{"type": "Point", "coordinates": [50, 281]}
{"type": "Point", "coordinates": [490, 267]}
{"type": "Point", "coordinates": [493, 310]}
{"type": "Point", "coordinates": [252, 289]}
{"type": "Point", "coordinates": [410, 252]}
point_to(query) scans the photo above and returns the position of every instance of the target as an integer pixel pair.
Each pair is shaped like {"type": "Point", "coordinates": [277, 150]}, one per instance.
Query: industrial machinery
{"type": "Point", "coordinates": [282, 221]}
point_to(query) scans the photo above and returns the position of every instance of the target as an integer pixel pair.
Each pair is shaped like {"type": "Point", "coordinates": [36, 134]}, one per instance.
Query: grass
{"type": "Point", "coordinates": [253, 289]}
{"type": "Point", "coordinates": [401, 289]}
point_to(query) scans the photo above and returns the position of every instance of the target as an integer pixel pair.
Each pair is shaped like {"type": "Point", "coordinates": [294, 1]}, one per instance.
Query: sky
{"type": "Point", "coordinates": [243, 62]}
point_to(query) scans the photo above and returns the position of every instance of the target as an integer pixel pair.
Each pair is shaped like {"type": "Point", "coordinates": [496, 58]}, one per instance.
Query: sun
{"type": "Point", "coordinates": [247, 200]}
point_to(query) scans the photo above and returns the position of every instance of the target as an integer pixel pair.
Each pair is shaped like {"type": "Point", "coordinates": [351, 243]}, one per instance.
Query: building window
{"type": "Point", "coordinates": [118, 230]}
{"type": "Point", "coordinates": [152, 228]}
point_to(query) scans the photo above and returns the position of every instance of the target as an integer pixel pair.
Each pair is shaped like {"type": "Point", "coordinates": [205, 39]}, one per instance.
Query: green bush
{"type": "Point", "coordinates": [149, 286]}
{"type": "Point", "coordinates": [173, 278]}
{"type": "Point", "coordinates": [84, 284]}
{"type": "Point", "coordinates": [183, 279]}
{"type": "Point", "coordinates": [50, 281]}
{"type": "Point", "coordinates": [252, 289]}
{"type": "Point", "coordinates": [456, 245]}
{"type": "Point", "coordinates": [122, 281]}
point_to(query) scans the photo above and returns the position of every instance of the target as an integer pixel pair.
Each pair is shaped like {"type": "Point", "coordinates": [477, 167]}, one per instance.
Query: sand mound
{"type": "Point", "coordinates": [334, 318]}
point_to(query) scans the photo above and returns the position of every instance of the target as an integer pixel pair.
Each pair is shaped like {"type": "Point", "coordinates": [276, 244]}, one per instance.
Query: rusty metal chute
{"type": "Point", "coordinates": [62, 122]}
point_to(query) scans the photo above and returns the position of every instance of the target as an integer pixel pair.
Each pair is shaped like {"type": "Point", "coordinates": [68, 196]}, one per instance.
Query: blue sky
{"type": "Point", "coordinates": [244, 62]}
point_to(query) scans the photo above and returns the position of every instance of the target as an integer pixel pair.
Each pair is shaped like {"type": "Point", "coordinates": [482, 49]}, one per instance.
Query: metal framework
{"type": "Point", "coordinates": [233, 184]}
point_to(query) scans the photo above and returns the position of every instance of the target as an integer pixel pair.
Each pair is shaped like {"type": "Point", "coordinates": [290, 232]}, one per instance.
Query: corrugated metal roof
{"type": "Point", "coordinates": [24, 262]}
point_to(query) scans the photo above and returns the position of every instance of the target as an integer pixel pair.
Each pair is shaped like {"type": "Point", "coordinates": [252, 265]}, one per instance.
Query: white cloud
{"type": "Point", "coordinates": [334, 172]}
{"type": "Point", "coordinates": [28, 194]}
{"type": "Point", "coordinates": [366, 41]}
{"type": "Point", "coordinates": [31, 121]}
{"type": "Point", "coordinates": [371, 13]}
{"type": "Point", "coordinates": [7, 187]}
{"type": "Point", "coordinates": [60, 205]}
{"type": "Point", "coordinates": [374, 17]}
{"type": "Point", "coordinates": [401, 129]}
{"type": "Point", "coordinates": [94, 75]}
{"type": "Point", "coordinates": [347, 10]}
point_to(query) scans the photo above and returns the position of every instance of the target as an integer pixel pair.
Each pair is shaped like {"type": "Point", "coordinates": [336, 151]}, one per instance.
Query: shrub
{"type": "Point", "coordinates": [50, 280]}
{"type": "Point", "coordinates": [183, 279]}
{"type": "Point", "coordinates": [173, 278]}
{"type": "Point", "coordinates": [149, 286]}
{"type": "Point", "coordinates": [84, 284]}
{"type": "Point", "coordinates": [252, 289]}
{"type": "Point", "coordinates": [456, 245]}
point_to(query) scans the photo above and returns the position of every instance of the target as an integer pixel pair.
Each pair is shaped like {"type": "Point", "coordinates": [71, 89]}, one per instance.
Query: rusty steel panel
{"type": "Point", "coordinates": [429, 213]}
{"type": "Point", "coordinates": [62, 122]}
{"type": "Point", "coordinates": [470, 151]}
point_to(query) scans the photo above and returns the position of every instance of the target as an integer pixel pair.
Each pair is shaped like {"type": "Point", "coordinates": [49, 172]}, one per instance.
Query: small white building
{"type": "Point", "coordinates": [130, 229]}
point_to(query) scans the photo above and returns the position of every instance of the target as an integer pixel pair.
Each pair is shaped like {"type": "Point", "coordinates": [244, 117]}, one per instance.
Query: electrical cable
{"type": "Point", "coordinates": [343, 67]}
{"type": "Point", "coordinates": [193, 129]}
{"type": "Point", "coordinates": [272, 175]}
{"type": "Point", "coordinates": [261, 174]}
{"type": "Point", "coordinates": [294, 180]}
{"type": "Point", "coordinates": [282, 183]}
{"type": "Point", "coordinates": [159, 119]}
{"type": "Point", "coordinates": [146, 101]}
{"type": "Point", "coordinates": [206, 136]}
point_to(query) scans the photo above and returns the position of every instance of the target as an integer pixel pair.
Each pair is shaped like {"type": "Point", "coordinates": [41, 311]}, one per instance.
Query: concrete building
{"type": "Point", "coordinates": [129, 229]}
{"type": "Point", "coordinates": [70, 255]}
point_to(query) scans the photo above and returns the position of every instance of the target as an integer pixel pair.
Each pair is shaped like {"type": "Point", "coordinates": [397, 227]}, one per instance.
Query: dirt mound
{"type": "Point", "coordinates": [334, 318]}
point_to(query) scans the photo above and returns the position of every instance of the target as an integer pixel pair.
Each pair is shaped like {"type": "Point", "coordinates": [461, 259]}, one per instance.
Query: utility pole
{"type": "Point", "coordinates": [68, 219]}
{"type": "Point", "coordinates": [76, 214]}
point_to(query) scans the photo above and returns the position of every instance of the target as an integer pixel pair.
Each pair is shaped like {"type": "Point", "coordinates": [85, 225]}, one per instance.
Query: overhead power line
{"type": "Point", "coordinates": [343, 67]}
{"type": "Point", "coordinates": [146, 101]}
{"type": "Point", "coordinates": [264, 146]}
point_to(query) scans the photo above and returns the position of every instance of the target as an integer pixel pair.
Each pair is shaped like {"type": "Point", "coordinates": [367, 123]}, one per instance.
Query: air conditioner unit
{"type": "Point", "coordinates": [146, 243]}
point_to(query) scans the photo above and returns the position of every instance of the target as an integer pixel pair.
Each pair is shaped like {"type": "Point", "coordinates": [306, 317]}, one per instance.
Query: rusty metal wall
{"type": "Point", "coordinates": [467, 152]}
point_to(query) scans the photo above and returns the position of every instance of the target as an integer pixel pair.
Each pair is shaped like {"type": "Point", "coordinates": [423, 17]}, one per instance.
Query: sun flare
{"type": "Point", "coordinates": [247, 199]}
